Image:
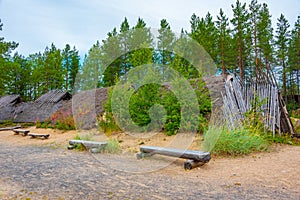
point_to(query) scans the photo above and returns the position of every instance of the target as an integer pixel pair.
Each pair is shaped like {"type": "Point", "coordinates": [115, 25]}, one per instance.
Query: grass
{"type": "Point", "coordinates": [112, 147]}
{"type": "Point", "coordinates": [8, 123]}
{"type": "Point", "coordinates": [221, 141]}
{"type": "Point", "coordinates": [80, 147]}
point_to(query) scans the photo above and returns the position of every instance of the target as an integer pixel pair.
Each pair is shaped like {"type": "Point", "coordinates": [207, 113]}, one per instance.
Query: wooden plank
{"type": "Point", "coordinates": [9, 128]}
{"type": "Point", "coordinates": [199, 156]}
{"type": "Point", "coordinates": [37, 135]}
{"type": "Point", "coordinates": [88, 144]}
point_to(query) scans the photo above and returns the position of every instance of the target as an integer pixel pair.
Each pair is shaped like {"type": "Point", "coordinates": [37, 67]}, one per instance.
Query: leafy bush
{"type": "Point", "coordinates": [144, 107]}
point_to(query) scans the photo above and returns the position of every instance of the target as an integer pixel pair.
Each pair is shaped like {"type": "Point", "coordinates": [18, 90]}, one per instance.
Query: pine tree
{"type": "Point", "coordinates": [294, 57]}
{"type": "Point", "coordinates": [282, 38]}
{"type": "Point", "coordinates": [254, 8]}
{"type": "Point", "coordinates": [224, 43]}
{"type": "Point", "coordinates": [166, 39]}
{"type": "Point", "coordinates": [141, 44]}
{"type": "Point", "coordinates": [241, 36]}
{"type": "Point", "coordinates": [5, 50]}
{"type": "Point", "coordinates": [19, 77]}
{"type": "Point", "coordinates": [111, 52]}
{"type": "Point", "coordinates": [53, 75]}
{"type": "Point", "coordinates": [204, 32]}
{"type": "Point", "coordinates": [265, 37]}
{"type": "Point", "coordinates": [70, 65]}
{"type": "Point", "coordinates": [36, 63]}
{"type": "Point", "coordinates": [90, 77]}
{"type": "Point", "coordinates": [125, 34]}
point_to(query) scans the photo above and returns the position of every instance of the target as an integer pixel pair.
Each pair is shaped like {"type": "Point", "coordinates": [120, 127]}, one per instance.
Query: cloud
{"type": "Point", "coordinates": [36, 24]}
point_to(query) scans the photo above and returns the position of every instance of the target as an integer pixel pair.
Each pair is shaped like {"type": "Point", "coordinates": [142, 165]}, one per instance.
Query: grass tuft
{"type": "Point", "coordinates": [221, 141]}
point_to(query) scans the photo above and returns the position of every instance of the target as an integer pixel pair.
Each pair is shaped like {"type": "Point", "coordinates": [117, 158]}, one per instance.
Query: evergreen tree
{"type": "Point", "coordinates": [141, 44]}
{"type": "Point", "coordinates": [265, 37]}
{"type": "Point", "coordinates": [224, 43]}
{"type": "Point", "coordinates": [36, 63]}
{"type": "Point", "coordinates": [204, 32]}
{"type": "Point", "coordinates": [294, 57]}
{"type": "Point", "coordinates": [53, 71]}
{"type": "Point", "coordinates": [70, 65]}
{"type": "Point", "coordinates": [90, 78]}
{"type": "Point", "coordinates": [19, 77]}
{"type": "Point", "coordinates": [111, 52]}
{"type": "Point", "coordinates": [282, 38]}
{"type": "Point", "coordinates": [254, 8]}
{"type": "Point", "coordinates": [124, 36]}
{"type": "Point", "coordinates": [166, 39]}
{"type": "Point", "coordinates": [5, 61]}
{"type": "Point", "coordinates": [241, 36]}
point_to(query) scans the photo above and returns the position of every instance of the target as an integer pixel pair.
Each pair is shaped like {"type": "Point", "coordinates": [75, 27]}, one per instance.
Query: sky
{"type": "Point", "coordinates": [35, 24]}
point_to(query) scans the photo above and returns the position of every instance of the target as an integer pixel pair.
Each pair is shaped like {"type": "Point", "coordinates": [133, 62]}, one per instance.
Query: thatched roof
{"type": "Point", "coordinates": [42, 108]}
{"type": "Point", "coordinates": [9, 100]}
{"type": "Point", "coordinates": [7, 106]}
{"type": "Point", "coordinates": [53, 96]}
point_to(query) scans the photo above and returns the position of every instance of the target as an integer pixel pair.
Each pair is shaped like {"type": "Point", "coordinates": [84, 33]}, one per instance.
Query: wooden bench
{"type": "Point", "coordinates": [9, 128]}
{"type": "Point", "coordinates": [95, 147]}
{"type": "Point", "coordinates": [195, 158]}
{"type": "Point", "coordinates": [37, 135]}
{"type": "Point", "coordinates": [24, 132]}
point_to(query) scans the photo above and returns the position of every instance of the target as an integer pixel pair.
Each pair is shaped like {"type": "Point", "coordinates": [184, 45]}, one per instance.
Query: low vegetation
{"type": "Point", "coordinates": [7, 123]}
{"type": "Point", "coordinates": [112, 147]}
{"type": "Point", "coordinates": [62, 120]}
{"type": "Point", "coordinates": [222, 141]}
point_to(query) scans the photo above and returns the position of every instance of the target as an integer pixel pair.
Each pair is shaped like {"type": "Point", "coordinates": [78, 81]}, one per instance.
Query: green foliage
{"type": "Point", "coordinates": [159, 106]}
{"type": "Point", "coordinates": [112, 147]}
{"type": "Point", "coordinates": [81, 147]}
{"type": "Point", "coordinates": [62, 120]}
{"type": "Point", "coordinates": [221, 141]}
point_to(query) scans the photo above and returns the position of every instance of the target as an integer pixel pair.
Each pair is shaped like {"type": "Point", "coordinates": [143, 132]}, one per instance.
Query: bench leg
{"type": "Point", "coordinates": [70, 147]}
{"type": "Point", "coordinates": [190, 164]}
{"type": "Point", "coordinates": [141, 155]}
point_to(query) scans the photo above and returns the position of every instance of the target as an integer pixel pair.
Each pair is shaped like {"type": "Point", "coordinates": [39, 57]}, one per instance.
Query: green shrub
{"type": "Point", "coordinates": [112, 147]}
{"type": "Point", "coordinates": [222, 141]}
{"type": "Point", "coordinates": [168, 118]}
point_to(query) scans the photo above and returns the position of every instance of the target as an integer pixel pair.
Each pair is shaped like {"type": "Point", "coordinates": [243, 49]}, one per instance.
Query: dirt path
{"type": "Point", "coordinates": [52, 172]}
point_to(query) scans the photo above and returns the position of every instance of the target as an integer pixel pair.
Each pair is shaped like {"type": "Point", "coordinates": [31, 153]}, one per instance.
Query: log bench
{"type": "Point", "coordinates": [24, 132]}
{"type": "Point", "coordinates": [9, 128]}
{"type": "Point", "coordinates": [38, 135]}
{"type": "Point", "coordinates": [195, 158]}
{"type": "Point", "coordinates": [94, 147]}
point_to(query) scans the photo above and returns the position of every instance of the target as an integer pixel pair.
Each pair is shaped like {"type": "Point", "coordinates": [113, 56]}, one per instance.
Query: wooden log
{"type": "Point", "coordinates": [9, 128]}
{"type": "Point", "coordinates": [88, 144]}
{"type": "Point", "coordinates": [199, 156]}
{"type": "Point", "coordinates": [24, 132]}
{"type": "Point", "coordinates": [190, 164]}
{"type": "Point", "coordinates": [37, 135]}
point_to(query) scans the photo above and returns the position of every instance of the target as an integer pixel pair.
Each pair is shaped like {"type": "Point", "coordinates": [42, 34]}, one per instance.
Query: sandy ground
{"type": "Point", "coordinates": [58, 138]}
{"type": "Point", "coordinates": [268, 175]}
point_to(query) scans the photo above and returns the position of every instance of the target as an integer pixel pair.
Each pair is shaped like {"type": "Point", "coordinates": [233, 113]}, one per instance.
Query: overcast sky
{"type": "Point", "coordinates": [35, 24]}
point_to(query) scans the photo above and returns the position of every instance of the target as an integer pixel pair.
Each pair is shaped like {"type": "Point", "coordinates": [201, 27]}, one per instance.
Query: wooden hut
{"type": "Point", "coordinates": [42, 108]}
{"type": "Point", "coordinates": [8, 106]}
